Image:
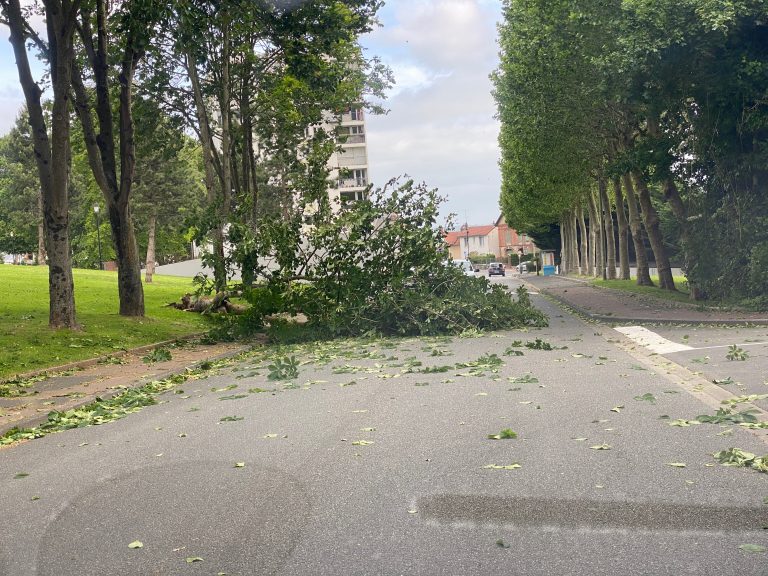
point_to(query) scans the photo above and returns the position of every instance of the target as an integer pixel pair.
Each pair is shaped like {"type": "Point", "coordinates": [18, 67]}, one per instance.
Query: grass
{"type": "Point", "coordinates": [631, 286]}
{"type": "Point", "coordinates": [27, 344]}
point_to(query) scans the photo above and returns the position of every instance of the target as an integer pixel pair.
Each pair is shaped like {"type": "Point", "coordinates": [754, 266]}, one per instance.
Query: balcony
{"type": "Point", "coordinates": [352, 182]}
{"type": "Point", "coordinates": [355, 139]}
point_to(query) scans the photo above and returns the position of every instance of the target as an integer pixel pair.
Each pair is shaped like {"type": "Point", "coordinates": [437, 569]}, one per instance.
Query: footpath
{"type": "Point", "coordinates": [69, 387]}
{"type": "Point", "coordinates": [619, 306]}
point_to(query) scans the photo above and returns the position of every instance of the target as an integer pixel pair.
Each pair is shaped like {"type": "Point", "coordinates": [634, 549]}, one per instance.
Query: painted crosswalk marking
{"type": "Point", "coordinates": [654, 342]}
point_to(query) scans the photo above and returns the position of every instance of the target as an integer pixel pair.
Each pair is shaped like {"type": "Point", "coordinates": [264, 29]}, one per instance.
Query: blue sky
{"type": "Point", "coordinates": [440, 127]}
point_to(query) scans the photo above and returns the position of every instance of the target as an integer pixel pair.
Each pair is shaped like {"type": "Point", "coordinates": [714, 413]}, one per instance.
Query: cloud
{"type": "Point", "coordinates": [441, 127]}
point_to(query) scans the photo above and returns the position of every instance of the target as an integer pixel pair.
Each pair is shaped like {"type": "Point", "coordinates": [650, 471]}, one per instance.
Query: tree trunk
{"type": "Point", "coordinates": [592, 235]}
{"type": "Point", "coordinates": [206, 139]}
{"type": "Point", "coordinates": [596, 224]}
{"type": "Point", "coordinates": [572, 230]}
{"type": "Point", "coordinates": [41, 255]}
{"type": "Point", "coordinates": [563, 247]}
{"type": "Point", "coordinates": [584, 262]}
{"type": "Point", "coordinates": [651, 220]}
{"type": "Point", "coordinates": [672, 196]}
{"type": "Point", "coordinates": [635, 226]}
{"type": "Point", "coordinates": [150, 270]}
{"type": "Point", "coordinates": [621, 219]}
{"type": "Point", "coordinates": [115, 185]}
{"type": "Point", "coordinates": [610, 240]}
{"type": "Point", "coordinates": [51, 155]}
{"type": "Point", "coordinates": [226, 149]}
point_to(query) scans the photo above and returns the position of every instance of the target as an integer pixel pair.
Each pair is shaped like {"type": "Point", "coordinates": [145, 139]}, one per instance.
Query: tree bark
{"type": "Point", "coordinates": [621, 220]}
{"type": "Point", "coordinates": [584, 261]}
{"type": "Point", "coordinates": [41, 255]}
{"type": "Point", "coordinates": [595, 223]}
{"type": "Point", "coordinates": [206, 139]}
{"type": "Point", "coordinates": [592, 235]}
{"type": "Point", "coordinates": [51, 154]}
{"type": "Point", "coordinates": [152, 226]}
{"type": "Point", "coordinates": [116, 187]}
{"type": "Point", "coordinates": [651, 220]}
{"type": "Point", "coordinates": [572, 229]}
{"type": "Point", "coordinates": [635, 226]}
{"type": "Point", "coordinates": [610, 240]}
{"type": "Point", "coordinates": [672, 195]}
{"type": "Point", "coordinates": [563, 247]}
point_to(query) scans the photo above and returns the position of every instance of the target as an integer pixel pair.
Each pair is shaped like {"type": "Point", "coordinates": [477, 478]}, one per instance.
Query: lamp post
{"type": "Point", "coordinates": [466, 229]}
{"type": "Point", "coordinates": [98, 235]}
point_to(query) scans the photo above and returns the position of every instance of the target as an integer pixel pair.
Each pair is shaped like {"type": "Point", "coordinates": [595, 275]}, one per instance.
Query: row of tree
{"type": "Point", "coordinates": [626, 121]}
{"type": "Point", "coordinates": [167, 199]}
{"type": "Point", "coordinates": [248, 77]}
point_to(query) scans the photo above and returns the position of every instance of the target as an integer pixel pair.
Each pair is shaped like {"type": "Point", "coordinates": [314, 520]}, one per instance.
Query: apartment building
{"type": "Point", "coordinates": [349, 166]}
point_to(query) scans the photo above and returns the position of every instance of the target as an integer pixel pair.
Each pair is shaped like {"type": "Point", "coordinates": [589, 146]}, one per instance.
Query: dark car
{"type": "Point", "coordinates": [496, 268]}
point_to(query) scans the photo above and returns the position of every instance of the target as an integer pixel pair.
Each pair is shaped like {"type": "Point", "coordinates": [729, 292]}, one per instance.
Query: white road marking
{"type": "Point", "coordinates": [729, 345]}
{"type": "Point", "coordinates": [654, 342]}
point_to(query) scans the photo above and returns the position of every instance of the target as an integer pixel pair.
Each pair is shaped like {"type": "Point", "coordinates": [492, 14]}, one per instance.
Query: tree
{"type": "Point", "coordinates": [51, 148]}
{"type": "Point", "coordinates": [20, 199]}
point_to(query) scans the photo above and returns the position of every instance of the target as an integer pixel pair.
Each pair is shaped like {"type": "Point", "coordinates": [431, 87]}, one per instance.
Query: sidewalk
{"type": "Point", "coordinates": [72, 386]}
{"type": "Point", "coordinates": [609, 305]}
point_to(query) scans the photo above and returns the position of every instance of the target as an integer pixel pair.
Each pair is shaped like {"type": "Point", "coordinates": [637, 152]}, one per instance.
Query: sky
{"type": "Point", "coordinates": [440, 128]}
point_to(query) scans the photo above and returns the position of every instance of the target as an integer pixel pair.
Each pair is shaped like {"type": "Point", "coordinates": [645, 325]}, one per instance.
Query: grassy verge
{"type": "Point", "coordinates": [26, 342]}
{"type": "Point", "coordinates": [655, 291]}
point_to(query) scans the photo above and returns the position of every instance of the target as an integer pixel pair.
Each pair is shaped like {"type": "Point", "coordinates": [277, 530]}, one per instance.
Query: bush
{"type": "Point", "coordinates": [377, 266]}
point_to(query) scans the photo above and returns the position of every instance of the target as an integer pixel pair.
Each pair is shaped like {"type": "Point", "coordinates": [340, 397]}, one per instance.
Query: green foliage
{"type": "Point", "coordinates": [284, 369]}
{"type": "Point", "coordinates": [157, 355]}
{"type": "Point", "coordinates": [376, 266]}
{"type": "Point", "coordinates": [736, 353]}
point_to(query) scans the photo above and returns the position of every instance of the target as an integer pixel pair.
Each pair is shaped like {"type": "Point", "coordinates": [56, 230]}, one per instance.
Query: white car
{"type": "Point", "coordinates": [465, 266]}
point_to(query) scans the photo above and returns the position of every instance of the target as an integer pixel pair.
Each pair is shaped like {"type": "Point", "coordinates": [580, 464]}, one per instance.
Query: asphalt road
{"type": "Point", "coordinates": [366, 464]}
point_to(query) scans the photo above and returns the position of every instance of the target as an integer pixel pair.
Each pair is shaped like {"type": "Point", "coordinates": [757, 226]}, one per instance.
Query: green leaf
{"type": "Point", "coordinates": [135, 544]}
{"type": "Point", "coordinates": [647, 397]}
{"type": "Point", "coordinates": [233, 397]}
{"type": "Point", "coordinates": [20, 475]}
{"type": "Point", "coordinates": [231, 418]}
{"type": "Point", "coordinates": [617, 409]}
{"type": "Point", "coordinates": [193, 559]}
{"type": "Point", "coordinates": [601, 447]}
{"type": "Point", "coordinates": [676, 464]}
{"type": "Point", "coordinates": [752, 548]}
{"type": "Point", "coordinates": [512, 466]}
{"type": "Point", "coordinates": [362, 443]}
{"type": "Point", "coordinates": [239, 464]}
{"type": "Point", "coordinates": [501, 544]}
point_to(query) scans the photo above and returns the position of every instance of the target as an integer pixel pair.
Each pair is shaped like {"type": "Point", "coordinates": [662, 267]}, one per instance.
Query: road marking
{"type": "Point", "coordinates": [729, 345]}
{"type": "Point", "coordinates": [654, 342]}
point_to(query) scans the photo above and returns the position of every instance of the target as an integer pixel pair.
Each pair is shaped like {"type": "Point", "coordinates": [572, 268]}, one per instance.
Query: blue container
{"type": "Point", "coordinates": [548, 270]}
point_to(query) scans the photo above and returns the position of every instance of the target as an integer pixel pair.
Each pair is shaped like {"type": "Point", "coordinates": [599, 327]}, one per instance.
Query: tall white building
{"type": "Point", "coordinates": [349, 166]}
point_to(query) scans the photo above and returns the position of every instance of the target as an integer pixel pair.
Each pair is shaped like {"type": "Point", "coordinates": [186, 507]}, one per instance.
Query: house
{"type": "Point", "coordinates": [511, 241]}
{"type": "Point", "coordinates": [497, 239]}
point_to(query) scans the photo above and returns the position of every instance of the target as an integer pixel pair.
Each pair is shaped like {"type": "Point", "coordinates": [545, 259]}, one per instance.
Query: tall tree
{"type": "Point", "coordinates": [51, 148]}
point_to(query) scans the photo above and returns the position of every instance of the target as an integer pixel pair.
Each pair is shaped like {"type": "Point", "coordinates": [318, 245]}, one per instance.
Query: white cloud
{"type": "Point", "coordinates": [441, 127]}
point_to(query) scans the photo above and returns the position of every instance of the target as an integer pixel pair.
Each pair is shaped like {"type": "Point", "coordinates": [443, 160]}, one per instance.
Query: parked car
{"type": "Point", "coordinates": [466, 266]}
{"type": "Point", "coordinates": [522, 267]}
{"type": "Point", "coordinates": [496, 268]}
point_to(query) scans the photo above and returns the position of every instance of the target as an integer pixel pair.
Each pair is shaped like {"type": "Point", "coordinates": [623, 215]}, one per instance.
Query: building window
{"type": "Point", "coordinates": [356, 113]}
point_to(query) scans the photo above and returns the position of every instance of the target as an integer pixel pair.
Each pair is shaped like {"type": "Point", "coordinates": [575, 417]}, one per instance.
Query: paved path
{"type": "Point", "coordinates": [368, 463]}
{"type": "Point", "coordinates": [611, 305]}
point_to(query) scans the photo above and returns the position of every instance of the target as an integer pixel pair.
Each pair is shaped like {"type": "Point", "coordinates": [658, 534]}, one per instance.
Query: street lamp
{"type": "Point", "coordinates": [98, 234]}
{"type": "Point", "coordinates": [466, 228]}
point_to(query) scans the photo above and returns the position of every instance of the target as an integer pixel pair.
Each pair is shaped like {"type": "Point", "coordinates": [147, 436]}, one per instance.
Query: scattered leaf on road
{"type": "Point", "coordinates": [676, 464]}
{"type": "Point", "coordinates": [601, 447]}
{"type": "Point", "coordinates": [20, 475]}
{"type": "Point", "coordinates": [362, 443]}
{"type": "Point", "coordinates": [752, 548]}
{"type": "Point", "coordinates": [192, 559]}
{"type": "Point", "coordinates": [617, 409]}
{"type": "Point", "coordinates": [135, 544]}
{"type": "Point", "coordinates": [512, 466]}
{"type": "Point", "coordinates": [239, 464]}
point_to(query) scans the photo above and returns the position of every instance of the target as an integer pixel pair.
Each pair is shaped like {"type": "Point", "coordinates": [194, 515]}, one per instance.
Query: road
{"type": "Point", "coordinates": [366, 463]}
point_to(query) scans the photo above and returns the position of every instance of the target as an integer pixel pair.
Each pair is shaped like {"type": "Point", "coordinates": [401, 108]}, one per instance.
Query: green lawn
{"type": "Point", "coordinates": [27, 344]}
{"type": "Point", "coordinates": [631, 286]}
